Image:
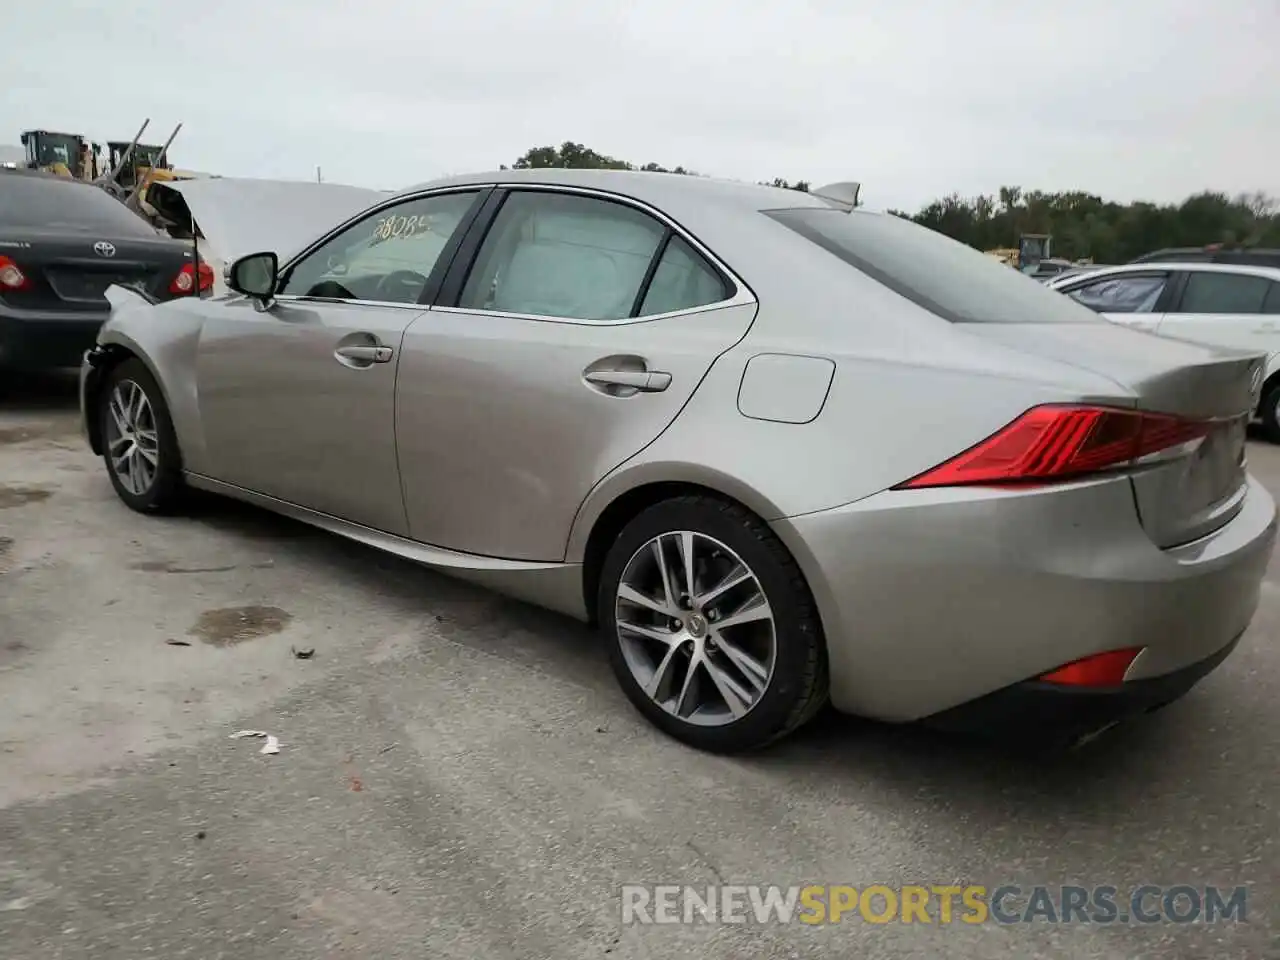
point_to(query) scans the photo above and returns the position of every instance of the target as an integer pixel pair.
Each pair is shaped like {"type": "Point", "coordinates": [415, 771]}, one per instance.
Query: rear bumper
{"type": "Point", "coordinates": [932, 599]}
{"type": "Point", "coordinates": [40, 340]}
{"type": "Point", "coordinates": [1033, 712]}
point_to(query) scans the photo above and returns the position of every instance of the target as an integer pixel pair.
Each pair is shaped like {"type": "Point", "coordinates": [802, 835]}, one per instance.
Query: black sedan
{"type": "Point", "coordinates": [62, 244]}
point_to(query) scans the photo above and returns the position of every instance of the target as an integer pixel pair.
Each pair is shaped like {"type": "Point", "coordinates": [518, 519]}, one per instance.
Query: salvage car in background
{"type": "Point", "coordinates": [62, 243]}
{"type": "Point", "coordinates": [238, 215]}
{"type": "Point", "coordinates": [778, 448]}
{"type": "Point", "coordinates": [1225, 305]}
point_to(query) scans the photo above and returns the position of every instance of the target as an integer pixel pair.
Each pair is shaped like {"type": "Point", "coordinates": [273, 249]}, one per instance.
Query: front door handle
{"type": "Point", "coordinates": [363, 353]}
{"type": "Point", "coordinates": [643, 381]}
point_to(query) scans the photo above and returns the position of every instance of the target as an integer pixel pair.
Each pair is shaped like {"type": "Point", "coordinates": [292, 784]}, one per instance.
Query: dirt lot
{"type": "Point", "coordinates": [459, 777]}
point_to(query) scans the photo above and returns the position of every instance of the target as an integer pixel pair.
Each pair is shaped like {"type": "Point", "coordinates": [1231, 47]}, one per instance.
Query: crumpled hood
{"type": "Point", "coordinates": [240, 216]}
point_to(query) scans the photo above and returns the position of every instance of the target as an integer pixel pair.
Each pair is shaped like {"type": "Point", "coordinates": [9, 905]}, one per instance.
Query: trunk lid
{"type": "Point", "coordinates": [1190, 491]}
{"type": "Point", "coordinates": [70, 272]}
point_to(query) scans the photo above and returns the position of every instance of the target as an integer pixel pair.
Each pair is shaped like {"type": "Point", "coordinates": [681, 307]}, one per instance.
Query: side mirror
{"type": "Point", "coordinates": [255, 275]}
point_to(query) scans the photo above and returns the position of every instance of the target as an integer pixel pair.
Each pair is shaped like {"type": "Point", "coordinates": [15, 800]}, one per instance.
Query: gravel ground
{"type": "Point", "coordinates": [458, 775]}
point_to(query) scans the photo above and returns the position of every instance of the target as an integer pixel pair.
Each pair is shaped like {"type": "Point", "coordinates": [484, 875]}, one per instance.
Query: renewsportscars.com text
{"type": "Point", "coordinates": [937, 904]}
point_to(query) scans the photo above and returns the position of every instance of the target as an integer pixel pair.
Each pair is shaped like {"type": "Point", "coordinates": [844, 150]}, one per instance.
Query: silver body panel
{"type": "Point", "coordinates": [483, 448]}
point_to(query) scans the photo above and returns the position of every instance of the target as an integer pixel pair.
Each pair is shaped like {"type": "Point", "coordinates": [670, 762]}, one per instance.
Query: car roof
{"type": "Point", "coordinates": [1172, 253]}
{"type": "Point", "coordinates": [657, 189]}
{"type": "Point", "coordinates": [1270, 273]}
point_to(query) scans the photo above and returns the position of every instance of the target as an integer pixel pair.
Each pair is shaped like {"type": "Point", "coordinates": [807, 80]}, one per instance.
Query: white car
{"type": "Point", "coordinates": [1219, 304]}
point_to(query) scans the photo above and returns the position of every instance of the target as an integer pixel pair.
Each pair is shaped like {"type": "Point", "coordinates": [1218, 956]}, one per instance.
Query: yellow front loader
{"type": "Point", "coordinates": [62, 154]}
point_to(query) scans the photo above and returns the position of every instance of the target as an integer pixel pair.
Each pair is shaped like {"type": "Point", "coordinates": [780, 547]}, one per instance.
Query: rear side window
{"type": "Point", "coordinates": [585, 258]}
{"type": "Point", "coordinates": [682, 281]}
{"type": "Point", "coordinates": [1120, 294]}
{"type": "Point", "coordinates": [28, 202]}
{"type": "Point", "coordinates": [954, 281]}
{"type": "Point", "coordinates": [1223, 293]}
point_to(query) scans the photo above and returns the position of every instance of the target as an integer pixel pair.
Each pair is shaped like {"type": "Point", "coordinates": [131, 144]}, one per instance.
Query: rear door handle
{"type": "Point", "coordinates": [365, 354]}
{"type": "Point", "coordinates": [646, 381]}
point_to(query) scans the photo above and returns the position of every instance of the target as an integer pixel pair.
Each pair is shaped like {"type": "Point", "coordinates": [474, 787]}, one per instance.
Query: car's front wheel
{"type": "Point", "coordinates": [139, 445]}
{"type": "Point", "coordinates": [712, 631]}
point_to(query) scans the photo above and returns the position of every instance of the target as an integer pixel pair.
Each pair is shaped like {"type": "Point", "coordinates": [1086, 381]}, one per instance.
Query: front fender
{"type": "Point", "coordinates": [163, 336]}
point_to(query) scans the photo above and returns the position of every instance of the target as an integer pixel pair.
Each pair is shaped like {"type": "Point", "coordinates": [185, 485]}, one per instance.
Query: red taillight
{"type": "Point", "coordinates": [1100, 670]}
{"type": "Point", "coordinates": [185, 281]}
{"type": "Point", "coordinates": [11, 275]}
{"type": "Point", "coordinates": [1051, 443]}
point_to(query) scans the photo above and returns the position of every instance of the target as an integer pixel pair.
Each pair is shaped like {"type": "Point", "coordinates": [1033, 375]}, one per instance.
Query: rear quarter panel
{"type": "Point", "coordinates": [909, 391]}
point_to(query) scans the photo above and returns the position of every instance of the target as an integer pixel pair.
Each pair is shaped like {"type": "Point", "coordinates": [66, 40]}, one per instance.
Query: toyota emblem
{"type": "Point", "coordinates": [104, 249]}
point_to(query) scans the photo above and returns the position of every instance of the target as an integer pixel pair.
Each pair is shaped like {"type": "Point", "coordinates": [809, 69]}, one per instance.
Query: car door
{"type": "Point", "coordinates": [1224, 309]}
{"type": "Point", "coordinates": [297, 400]}
{"type": "Point", "coordinates": [1130, 299]}
{"type": "Point", "coordinates": [562, 346]}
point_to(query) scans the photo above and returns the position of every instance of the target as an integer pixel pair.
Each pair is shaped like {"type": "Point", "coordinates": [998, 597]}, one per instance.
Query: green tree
{"type": "Point", "coordinates": [580, 157]}
{"type": "Point", "coordinates": [1084, 225]}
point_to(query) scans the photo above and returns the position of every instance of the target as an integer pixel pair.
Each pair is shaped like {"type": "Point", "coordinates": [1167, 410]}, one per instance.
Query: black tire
{"type": "Point", "coordinates": [1267, 413]}
{"type": "Point", "coordinates": [166, 490]}
{"type": "Point", "coordinates": [797, 688]}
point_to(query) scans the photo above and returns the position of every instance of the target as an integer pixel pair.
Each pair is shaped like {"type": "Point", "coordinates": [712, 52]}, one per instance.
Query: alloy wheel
{"type": "Point", "coordinates": [695, 628]}
{"type": "Point", "coordinates": [133, 443]}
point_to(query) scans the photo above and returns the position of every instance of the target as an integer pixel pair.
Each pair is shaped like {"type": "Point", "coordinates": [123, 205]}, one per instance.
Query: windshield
{"type": "Point", "coordinates": [948, 278]}
{"type": "Point", "coordinates": [35, 201]}
{"type": "Point", "coordinates": [54, 149]}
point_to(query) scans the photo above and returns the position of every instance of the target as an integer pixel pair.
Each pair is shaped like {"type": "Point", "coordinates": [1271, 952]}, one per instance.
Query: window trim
{"type": "Point", "coordinates": [451, 290]}
{"type": "Point", "coordinates": [1274, 289]}
{"type": "Point", "coordinates": [439, 271]}
{"type": "Point", "coordinates": [1177, 306]}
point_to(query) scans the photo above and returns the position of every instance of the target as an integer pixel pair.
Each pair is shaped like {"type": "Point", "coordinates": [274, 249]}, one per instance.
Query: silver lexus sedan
{"type": "Point", "coordinates": [783, 451]}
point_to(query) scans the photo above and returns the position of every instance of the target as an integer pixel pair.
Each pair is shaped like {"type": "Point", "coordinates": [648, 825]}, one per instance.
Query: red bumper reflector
{"type": "Point", "coordinates": [1100, 670]}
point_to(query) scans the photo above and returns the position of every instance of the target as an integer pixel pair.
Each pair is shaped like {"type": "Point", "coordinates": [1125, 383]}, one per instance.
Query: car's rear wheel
{"type": "Point", "coordinates": [712, 631]}
{"type": "Point", "coordinates": [1269, 413]}
{"type": "Point", "coordinates": [139, 445]}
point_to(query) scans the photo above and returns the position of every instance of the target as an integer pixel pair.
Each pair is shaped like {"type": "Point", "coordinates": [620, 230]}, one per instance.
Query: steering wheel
{"type": "Point", "coordinates": [400, 286]}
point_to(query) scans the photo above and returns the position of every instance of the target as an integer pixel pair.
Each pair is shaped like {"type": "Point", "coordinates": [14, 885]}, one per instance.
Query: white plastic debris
{"type": "Point", "coordinates": [271, 746]}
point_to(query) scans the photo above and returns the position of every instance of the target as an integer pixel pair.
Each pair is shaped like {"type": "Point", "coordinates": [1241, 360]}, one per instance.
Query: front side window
{"type": "Point", "coordinates": [386, 257]}
{"type": "Point", "coordinates": [1223, 293]}
{"type": "Point", "coordinates": [1121, 294]}
{"type": "Point", "coordinates": [576, 257]}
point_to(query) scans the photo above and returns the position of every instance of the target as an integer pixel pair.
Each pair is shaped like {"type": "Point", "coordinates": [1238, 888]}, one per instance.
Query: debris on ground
{"type": "Point", "coordinates": [271, 746]}
{"type": "Point", "coordinates": [178, 643]}
{"type": "Point", "coordinates": [303, 654]}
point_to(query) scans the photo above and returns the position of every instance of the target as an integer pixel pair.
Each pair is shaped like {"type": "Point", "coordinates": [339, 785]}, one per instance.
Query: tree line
{"type": "Point", "coordinates": [1082, 224]}
{"type": "Point", "coordinates": [578, 156]}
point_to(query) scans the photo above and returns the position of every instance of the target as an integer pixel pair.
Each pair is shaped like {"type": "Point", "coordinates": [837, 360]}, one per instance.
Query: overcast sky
{"type": "Point", "coordinates": [914, 98]}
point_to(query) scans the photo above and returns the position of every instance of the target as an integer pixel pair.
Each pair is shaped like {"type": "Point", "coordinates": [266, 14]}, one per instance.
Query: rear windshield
{"type": "Point", "coordinates": [29, 201]}
{"type": "Point", "coordinates": [953, 280]}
